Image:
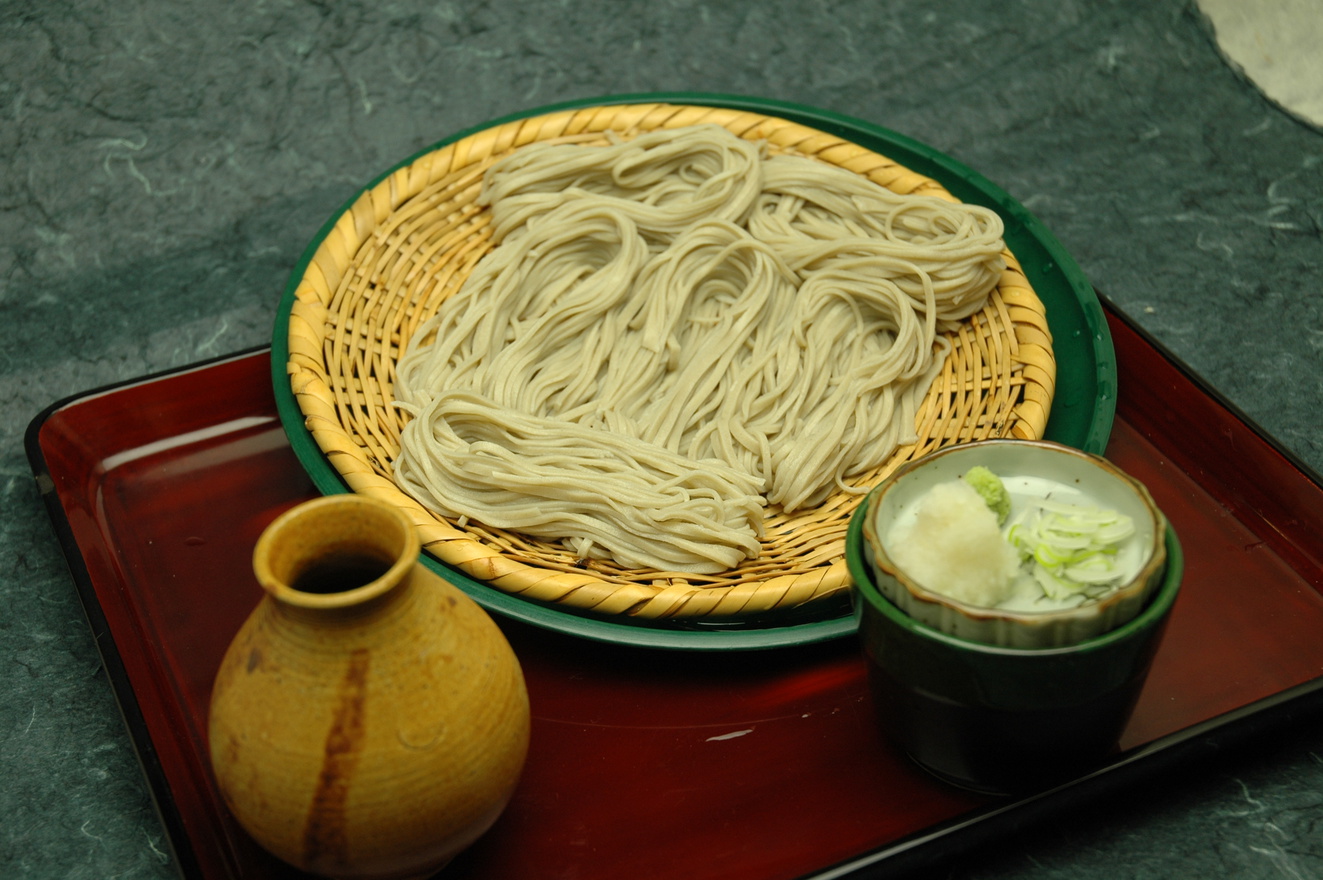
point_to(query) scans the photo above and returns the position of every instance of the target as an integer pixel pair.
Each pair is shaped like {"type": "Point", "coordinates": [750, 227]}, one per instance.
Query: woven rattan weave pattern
{"type": "Point", "coordinates": [408, 243]}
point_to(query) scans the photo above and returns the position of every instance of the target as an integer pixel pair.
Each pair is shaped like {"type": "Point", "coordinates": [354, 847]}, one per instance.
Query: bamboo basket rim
{"type": "Point", "coordinates": [998, 381]}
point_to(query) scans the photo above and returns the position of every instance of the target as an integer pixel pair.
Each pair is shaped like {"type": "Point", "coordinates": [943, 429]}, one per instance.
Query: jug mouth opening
{"type": "Point", "coordinates": [335, 551]}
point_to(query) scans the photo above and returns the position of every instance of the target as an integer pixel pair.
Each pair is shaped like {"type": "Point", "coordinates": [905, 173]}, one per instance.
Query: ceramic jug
{"type": "Point", "coordinates": [369, 720]}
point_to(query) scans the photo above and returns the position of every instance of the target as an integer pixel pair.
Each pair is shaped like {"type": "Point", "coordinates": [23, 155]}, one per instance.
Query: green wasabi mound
{"type": "Point", "coordinates": [991, 489]}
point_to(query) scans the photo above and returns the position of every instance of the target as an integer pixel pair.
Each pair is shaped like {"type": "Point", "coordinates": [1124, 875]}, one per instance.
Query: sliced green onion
{"type": "Point", "coordinates": [1071, 548]}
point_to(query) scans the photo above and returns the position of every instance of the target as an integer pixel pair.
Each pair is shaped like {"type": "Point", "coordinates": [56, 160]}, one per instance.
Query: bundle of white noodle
{"type": "Point", "coordinates": [765, 328]}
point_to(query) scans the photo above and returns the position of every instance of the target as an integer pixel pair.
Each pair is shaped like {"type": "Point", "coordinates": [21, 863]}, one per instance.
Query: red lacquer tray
{"type": "Point", "coordinates": [763, 765]}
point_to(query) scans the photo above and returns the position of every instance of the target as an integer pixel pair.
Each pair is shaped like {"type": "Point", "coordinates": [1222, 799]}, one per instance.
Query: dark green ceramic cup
{"type": "Point", "coordinates": [995, 719]}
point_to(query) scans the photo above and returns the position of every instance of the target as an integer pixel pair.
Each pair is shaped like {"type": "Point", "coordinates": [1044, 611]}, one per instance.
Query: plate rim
{"type": "Point", "coordinates": [1040, 254]}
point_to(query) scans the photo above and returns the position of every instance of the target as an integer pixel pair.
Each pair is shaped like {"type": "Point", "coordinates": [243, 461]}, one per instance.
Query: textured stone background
{"type": "Point", "coordinates": [164, 164]}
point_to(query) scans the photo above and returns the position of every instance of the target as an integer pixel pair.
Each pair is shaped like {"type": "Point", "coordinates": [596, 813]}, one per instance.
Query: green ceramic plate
{"type": "Point", "coordinates": [1082, 409]}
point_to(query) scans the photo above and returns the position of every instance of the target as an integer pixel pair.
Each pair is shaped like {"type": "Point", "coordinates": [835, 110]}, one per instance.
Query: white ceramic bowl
{"type": "Point", "coordinates": [1028, 468]}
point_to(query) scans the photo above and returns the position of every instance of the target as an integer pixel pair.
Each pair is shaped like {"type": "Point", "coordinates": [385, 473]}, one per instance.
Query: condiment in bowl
{"type": "Point", "coordinates": [1078, 550]}
{"type": "Point", "coordinates": [1001, 697]}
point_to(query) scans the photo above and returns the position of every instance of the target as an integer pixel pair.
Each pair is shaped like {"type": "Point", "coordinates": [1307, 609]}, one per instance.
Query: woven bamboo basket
{"type": "Point", "coordinates": [409, 242]}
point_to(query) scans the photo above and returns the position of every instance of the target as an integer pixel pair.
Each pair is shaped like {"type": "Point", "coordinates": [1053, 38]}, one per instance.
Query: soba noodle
{"type": "Point", "coordinates": [674, 331]}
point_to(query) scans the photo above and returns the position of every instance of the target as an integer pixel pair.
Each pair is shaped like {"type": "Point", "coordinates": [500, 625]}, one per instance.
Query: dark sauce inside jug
{"type": "Point", "coordinates": [340, 573]}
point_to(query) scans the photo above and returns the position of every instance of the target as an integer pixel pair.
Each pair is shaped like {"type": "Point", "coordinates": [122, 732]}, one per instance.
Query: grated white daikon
{"type": "Point", "coordinates": [954, 546]}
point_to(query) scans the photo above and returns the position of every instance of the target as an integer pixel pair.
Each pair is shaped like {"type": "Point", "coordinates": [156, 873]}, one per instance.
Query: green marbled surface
{"type": "Point", "coordinates": [164, 164]}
